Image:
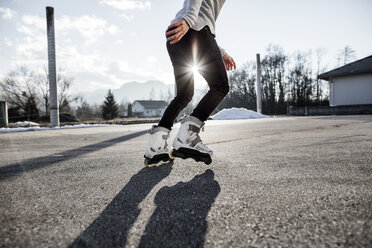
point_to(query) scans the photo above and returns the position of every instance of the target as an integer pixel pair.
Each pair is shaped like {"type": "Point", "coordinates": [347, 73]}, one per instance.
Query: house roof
{"type": "Point", "coordinates": [358, 67]}
{"type": "Point", "coordinates": [153, 104]}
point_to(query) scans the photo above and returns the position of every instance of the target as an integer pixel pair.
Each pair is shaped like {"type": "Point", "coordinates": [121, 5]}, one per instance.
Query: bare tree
{"type": "Point", "coordinates": [152, 94]}
{"type": "Point", "coordinates": [42, 84]}
{"type": "Point", "coordinates": [242, 88]}
{"type": "Point", "coordinates": [65, 97]}
{"type": "Point", "coordinates": [123, 106]}
{"type": "Point", "coordinates": [169, 96]}
{"type": "Point", "coordinates": [273, 78]}
{"type": "Point", "coordinates": [346, 55]}
{"type": "Point", "coordinates": [84, 111]}
{"type": "Point", "coordinates": [300, 80]}
{"type": "Point", "coordinates": [18, 87]}
{"type": "Point", "coordinates": [162, 95]}
{"type": "Point", "coordinates": [320, 52]}
{"type": "Point", "coordinates": [22, 86]}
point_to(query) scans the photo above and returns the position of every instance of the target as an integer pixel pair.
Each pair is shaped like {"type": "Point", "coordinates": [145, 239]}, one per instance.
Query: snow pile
{"type": "Point", "coordinates": [37, 128]}
{"type": "Point", "coordinates": [26, 124]}
{"type": "Point", "coordinates": [236, 114]}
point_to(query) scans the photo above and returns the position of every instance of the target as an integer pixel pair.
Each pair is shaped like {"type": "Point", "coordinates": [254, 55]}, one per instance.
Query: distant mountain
{"type": "Point", "coordinates": [129, 92]}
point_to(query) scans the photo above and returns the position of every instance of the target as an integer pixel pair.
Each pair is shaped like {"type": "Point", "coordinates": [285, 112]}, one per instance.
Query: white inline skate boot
{"type": "Point", "coordinates": [157, 147]}
{"type": "Point", "coordinates": [188, 144]}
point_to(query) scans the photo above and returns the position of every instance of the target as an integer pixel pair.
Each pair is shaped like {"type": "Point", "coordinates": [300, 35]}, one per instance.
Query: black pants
{"type": "Point", "coordinates": [196, 48]}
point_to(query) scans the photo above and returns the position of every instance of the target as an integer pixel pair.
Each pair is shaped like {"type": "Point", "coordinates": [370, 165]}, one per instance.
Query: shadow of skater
{"type": "Point", "coordinates": [16, 169]}
{"type": "Point", "coordinates": [180, 217]}
{"type": "Point", "coordinates": [111, 228]}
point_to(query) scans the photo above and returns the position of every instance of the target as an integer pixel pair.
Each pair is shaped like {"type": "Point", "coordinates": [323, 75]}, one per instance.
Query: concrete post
{"type": "Point", "coordinates": [258, 85]}
{"type": "Point", "coordinates": [54, 112]}
{"type": "Point", "coordinates": [3, 114]}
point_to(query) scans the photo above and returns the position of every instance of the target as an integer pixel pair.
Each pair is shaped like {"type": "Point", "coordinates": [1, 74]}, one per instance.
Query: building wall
{"type": "Point", "coordinates": [153, 112]}
{"type": "Point", "coordinates": [149, 113]}
{"type": "Point", "coordinates": [331, 98]}
{"type": "Point", "coordinates": [351, 90]}
{"type": "Point", "coordinates": [137, 108]}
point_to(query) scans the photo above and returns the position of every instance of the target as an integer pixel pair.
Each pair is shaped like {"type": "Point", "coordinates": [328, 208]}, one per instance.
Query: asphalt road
{"type": "Point", "coordinates": [278, 182]}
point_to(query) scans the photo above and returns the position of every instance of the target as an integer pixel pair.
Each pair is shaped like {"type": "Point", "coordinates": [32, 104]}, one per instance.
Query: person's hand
{"type": "Point", "coordinates": [179, 32]}
{"type": "Point", "coordinates": [229, 62]}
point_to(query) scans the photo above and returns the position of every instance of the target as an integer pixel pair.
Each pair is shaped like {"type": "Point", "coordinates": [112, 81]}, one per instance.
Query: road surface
{"type": "Point", "coordinates": [288, 181]}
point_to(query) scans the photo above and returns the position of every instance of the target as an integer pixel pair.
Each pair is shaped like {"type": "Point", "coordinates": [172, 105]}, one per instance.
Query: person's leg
{"type": "Point", "coordinates": [181, 57]}
{"type": "Point", "coordinates": [187, 143]}
{"type": "Point", "coordinates": [212, 68]}
{"type": "Point", "coordinates": [185, 92]}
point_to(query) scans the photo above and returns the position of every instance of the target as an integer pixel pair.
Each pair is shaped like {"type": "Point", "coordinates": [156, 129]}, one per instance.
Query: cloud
{"type": "Point", "coordinates": [126, 17]}
{"type": "Point", "coordinates": [8, 42]}
{"type": "Point", "coordinates": [71, 57]}
{"type": "Point", "coordinates": [92, 68]}
{"type": "Point", "coordinates": [7, 13]}
{"type": "Point", "coordinates": [127, 4]}
{"type": "Point", "coordinates": [68, 40]}
{"type": "Point", "coordinates": [33, 49]}
{"type": "Point", "coordinates": [35, 21]}
{"type": "Point", "coordinates": [89, 26]}
{"type": "Point", "coordinates": [151, 59]}
{"type": "Point", "coordinates": [33, 44]}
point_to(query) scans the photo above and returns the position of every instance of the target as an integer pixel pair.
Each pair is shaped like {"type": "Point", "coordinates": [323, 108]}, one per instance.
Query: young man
{"type": "Point", "coordinates": [191, 42]}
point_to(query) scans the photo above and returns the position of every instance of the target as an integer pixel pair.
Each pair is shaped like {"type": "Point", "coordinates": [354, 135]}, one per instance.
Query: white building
{"type": "Point", "coordinates": [350, 84]}
{"type": "Point", "coordinates": [149, 108]}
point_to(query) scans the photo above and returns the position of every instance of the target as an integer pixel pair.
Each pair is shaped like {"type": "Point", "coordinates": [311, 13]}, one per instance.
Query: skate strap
{"type": "Point", "coordinates": [194, 128]}
{"type": "Point", "coordinates": [156, 129]}
{"type": "Point", "coordinates": [195, 141]}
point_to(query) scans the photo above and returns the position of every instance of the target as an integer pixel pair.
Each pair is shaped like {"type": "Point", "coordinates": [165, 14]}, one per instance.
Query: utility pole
{"type": "Point", "coordinates": [258, 84]}
{"type": "Point", "coordinates": [54, 112]}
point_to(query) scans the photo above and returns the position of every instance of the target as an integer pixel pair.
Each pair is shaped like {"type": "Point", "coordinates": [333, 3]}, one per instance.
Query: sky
{"type": "Point", "coordinates": [103, 44]}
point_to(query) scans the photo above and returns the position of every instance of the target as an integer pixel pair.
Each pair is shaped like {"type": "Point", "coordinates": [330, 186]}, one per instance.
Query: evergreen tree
{"type": "Point", "coordinates": [110, 109]}
{"type": "Point", "coordinates": [130, 111]}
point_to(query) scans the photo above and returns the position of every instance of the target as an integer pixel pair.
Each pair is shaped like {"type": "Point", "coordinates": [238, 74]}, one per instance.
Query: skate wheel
{"type": "Point", "coordinates": [171, 155]}
{"type": "Point", "coordinates": [146, 163]}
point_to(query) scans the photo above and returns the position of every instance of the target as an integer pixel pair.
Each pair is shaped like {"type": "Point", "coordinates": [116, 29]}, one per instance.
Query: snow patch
{"type": "Point", "coordinates": [236, 114]}
{"type": "Point", "coordinates": [37, 128]}
{"type": "Point", "coordinates": [26, 124]}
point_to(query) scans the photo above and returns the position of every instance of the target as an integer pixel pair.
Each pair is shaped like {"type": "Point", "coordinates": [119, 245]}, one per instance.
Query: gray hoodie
{"type": "Point", "coordinates": [201, 13]}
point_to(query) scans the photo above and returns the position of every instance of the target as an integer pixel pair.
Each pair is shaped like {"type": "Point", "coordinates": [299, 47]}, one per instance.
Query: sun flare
{"type": "Point", "coordinates": [195, 69]}
{"type": "Point", "coordinates": [200, 82]}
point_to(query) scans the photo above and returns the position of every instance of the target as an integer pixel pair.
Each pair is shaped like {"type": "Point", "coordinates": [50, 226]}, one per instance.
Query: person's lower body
{"type": "Point", "coordinates": [196, 48]}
